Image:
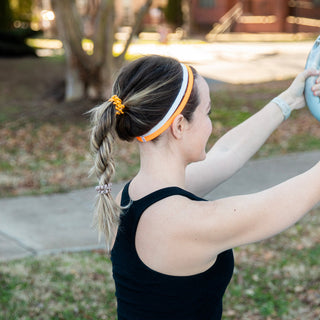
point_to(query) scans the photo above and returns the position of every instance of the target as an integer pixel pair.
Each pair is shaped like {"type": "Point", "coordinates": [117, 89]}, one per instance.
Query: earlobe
{"type": "Point", "coordinates": [178, 126]}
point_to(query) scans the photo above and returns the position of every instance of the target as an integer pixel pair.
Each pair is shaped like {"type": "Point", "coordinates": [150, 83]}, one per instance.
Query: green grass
{"type": "Point", "coordinates": [75, 286]}
{"type": "Point", "coordinates": [276, 279]}
{"type": "Point", "coordinates": [302, 142]}
{"type": "Point", "coordinates": [223, 115]}
{"type": "Point", "coordinates": [277, 289]}
{"type": "Point", "coordinates": [279, 277]}
{"type": "Point", "coordinates": [234, 104]}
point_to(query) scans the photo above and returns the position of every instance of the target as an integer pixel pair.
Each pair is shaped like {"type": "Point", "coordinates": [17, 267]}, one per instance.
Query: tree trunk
{"type": "Point", "coordinates": [91, 76]}
{"type": "Point", "coordinates": [186, 11]}
{"type": "Point", "coordinates": [74, 89]}
{"type": "Point", "coordinates": [69, 29]}
{"type": "Point", "coordinates": [143, 10]}
{"type": "Point", "coordinates": [103, 46]}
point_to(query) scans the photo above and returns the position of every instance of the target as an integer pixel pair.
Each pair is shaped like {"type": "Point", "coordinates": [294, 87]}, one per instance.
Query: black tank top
{"type": "Point", "coordinates": [145, 294]}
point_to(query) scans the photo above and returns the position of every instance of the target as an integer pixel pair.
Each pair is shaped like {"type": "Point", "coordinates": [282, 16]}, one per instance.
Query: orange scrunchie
{"type": "Point", "coordinates": [118, 103]}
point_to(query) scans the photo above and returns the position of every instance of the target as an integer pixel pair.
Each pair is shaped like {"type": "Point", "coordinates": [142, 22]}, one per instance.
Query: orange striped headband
{"type": "Point", "coordinates": [176, 108]}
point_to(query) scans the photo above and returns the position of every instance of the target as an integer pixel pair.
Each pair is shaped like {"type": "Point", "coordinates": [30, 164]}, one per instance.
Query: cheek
{"type": "Point", "coordinates": [209, 126]}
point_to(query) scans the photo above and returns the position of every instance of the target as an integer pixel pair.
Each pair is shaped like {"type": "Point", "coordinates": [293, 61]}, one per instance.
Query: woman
{"type": "Point", "coordinates": [171, 250]}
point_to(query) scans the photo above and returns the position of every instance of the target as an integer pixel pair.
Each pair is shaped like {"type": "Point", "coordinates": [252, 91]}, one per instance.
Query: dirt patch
{"type": "Point", "coordinates": [33, 88]}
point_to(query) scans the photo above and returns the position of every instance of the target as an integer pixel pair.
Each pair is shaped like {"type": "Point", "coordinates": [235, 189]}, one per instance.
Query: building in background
{"type": "Point", "coordinates": [257, 15]}
{"type": "Point", "coordinates": [252, 16]}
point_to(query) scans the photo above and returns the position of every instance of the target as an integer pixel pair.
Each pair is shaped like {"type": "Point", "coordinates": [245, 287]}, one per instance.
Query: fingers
{"type": "Point", "coordinates": [302, 76]}
{"type": "Point", "coordinates": [298, 85]}
{"type": "Point", "coordinates": [316, 87]}
{"type": "Point", "coordinates": [310, 72]}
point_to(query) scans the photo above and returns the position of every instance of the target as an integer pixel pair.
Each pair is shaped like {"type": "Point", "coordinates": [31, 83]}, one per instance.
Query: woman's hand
{"type": "Point", "coordinates": [316, 88]}
{"type": "Point", "coordinates": [294, 94]}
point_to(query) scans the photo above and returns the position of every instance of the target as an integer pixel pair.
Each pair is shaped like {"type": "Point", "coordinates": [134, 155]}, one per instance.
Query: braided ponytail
{"type": "Point", "coordinates": [107, 211]}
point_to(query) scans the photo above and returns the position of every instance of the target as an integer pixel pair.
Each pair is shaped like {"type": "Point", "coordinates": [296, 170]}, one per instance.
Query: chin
{"type": "Point", "coordinates": [201, 157]}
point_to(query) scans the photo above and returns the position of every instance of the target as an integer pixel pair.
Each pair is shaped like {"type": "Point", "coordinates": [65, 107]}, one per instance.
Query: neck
{"type": "Point", "coordinates": [160, 166]}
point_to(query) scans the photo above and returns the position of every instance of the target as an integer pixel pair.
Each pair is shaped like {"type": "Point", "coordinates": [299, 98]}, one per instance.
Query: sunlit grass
{"type": "Point", "coordinates": [44, 43]}
{"type": "Point", "coordinates": [55, 45]}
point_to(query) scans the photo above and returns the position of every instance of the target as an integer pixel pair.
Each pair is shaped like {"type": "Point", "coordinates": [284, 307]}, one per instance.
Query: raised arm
{"type": "Point", "coordinates": [238, 145]}
{"type": "Point", "coordinates": [234, 221]}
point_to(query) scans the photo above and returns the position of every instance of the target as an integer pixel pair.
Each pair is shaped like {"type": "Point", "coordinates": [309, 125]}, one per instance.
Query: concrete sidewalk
{"type": "Point", "coordinates": [38, 225]}
{"type": "Point", "coordinates": [237, 62]}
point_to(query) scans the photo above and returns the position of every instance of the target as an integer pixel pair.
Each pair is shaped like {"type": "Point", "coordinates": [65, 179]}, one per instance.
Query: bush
{"type": "Point", "coordinates": [12, 43]}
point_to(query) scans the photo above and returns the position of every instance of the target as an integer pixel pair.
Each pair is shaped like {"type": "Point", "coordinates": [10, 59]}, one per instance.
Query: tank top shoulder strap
{"type": "Point", "coordinates": [125, 198]}
{"type": "Point", "coordinates": [133, 210]}
{"type": "Point", "coordinates": [142, 204]}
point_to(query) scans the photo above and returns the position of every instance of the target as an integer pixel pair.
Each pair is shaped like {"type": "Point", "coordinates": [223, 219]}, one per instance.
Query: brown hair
{"type": "Point", "coordinates": [147, 87]}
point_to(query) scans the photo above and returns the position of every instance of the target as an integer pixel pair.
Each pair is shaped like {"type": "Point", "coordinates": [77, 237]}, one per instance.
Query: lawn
{"type": "Point", "coordinates": [44, 149]}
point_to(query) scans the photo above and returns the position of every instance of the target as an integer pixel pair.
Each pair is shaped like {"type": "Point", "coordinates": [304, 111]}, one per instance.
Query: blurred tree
{"type": "Point", "coordinates": [173, 13]}
{"type": "Point", "coordinates": [186, 17]}
{"type": "Point", "coordinates": [6, 15]}
{"type": "Point", "coordinates": [91, 75]}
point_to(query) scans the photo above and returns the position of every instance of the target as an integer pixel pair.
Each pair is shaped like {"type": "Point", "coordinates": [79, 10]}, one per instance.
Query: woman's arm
{"type": "Point", "coordinates": [238, 145]}
{"type": "Point", "coordinates": [215, 226]}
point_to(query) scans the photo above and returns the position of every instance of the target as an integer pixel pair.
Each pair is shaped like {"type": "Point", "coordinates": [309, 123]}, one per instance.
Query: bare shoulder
{"type": "Point", "coordinates": [174, 209]}
{"type": "Point", "coordinates": [165, 241]}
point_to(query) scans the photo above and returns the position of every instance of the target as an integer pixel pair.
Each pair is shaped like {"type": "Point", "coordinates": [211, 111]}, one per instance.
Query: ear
{"type": "Point", "coordinates": [178, 126]}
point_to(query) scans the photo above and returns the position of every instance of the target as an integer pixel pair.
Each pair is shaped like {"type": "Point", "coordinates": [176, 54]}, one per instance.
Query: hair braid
{"type": "Point", "coordinates": [107, 211]}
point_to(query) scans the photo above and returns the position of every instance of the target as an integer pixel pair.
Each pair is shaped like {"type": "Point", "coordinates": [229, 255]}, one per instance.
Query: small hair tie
{"type": "Point", "coordinates": [118, 103]}
{"type": "Point", "coordinates": [104, 189]}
